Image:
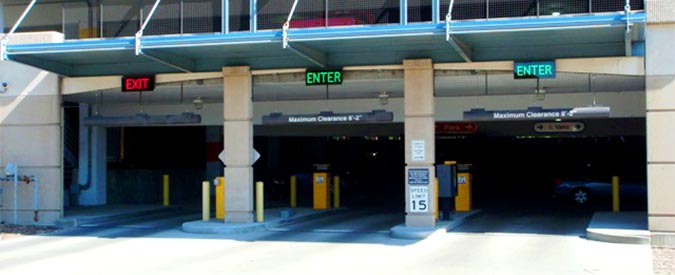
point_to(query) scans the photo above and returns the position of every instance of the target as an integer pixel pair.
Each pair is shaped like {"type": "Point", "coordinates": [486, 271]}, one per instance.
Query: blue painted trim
{"type": "Point", "coordinates": [326, 34]}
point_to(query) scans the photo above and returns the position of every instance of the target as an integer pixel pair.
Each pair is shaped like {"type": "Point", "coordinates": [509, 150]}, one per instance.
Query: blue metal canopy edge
{"type": "Point", "coordinates": [31, 54]}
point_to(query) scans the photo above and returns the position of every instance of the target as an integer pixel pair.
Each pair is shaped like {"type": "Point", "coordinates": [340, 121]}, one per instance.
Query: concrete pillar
{"type": "Point", "coordinates": [31, 137]}
{"type": "Point", "coordinates": [238, 144]}
{"type": "Point", "coordinates": [214, 145]}
{"type": "Point", "coordinates": [660, 81]}
{"type": "Point", "coordinates": [420, 146]}
{"type": "Point", "coordinates": [94, 191]}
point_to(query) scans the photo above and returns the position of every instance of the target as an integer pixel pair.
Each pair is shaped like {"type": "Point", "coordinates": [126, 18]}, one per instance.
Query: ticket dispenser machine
{"type": "Point", "coordinates": [463, 199]}
{"type": "Point", "coordinates": [447, 187]}
{"type": "Point", "coordinates": [321, 181]}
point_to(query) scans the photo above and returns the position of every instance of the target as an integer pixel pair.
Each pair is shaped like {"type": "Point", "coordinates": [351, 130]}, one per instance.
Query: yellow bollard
{"type": "Point", "coordinates": [436, 198]}
{"type": "Point", "coordinates": [615, 194]}
{"type": "Point", "coordinates": [220, 198]}
{"type": "Point", "coordinates": [165, 189]}
{"type": "Point", "coordinates": [259, 203]}
{"type": "Point", "coordinates": [336, 191]}
{"type": "Point", "coordinates": [294, 190]}
{"type": "Point", "coordinates": [206, 201]}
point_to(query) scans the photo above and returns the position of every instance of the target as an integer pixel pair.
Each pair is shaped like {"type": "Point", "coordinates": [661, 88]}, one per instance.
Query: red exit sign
{"type": "Point", "coordinates": [138, 83]}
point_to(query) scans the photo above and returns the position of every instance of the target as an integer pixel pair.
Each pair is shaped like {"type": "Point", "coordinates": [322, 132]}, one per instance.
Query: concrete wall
{"type": "Point", "coordinates": [30, 136]}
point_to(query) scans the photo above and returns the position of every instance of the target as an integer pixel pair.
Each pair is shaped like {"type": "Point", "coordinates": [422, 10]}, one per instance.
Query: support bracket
{"type": "Point", "coordinates": [312, 55]}
{"type": "Point", "coordinates": [460, 47]}
{"type": "Point", "coordinates": [628, 40]}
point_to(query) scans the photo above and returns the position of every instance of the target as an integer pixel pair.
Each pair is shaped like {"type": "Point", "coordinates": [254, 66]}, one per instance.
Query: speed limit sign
{"type": "Point", "coordinates": [419, 199]}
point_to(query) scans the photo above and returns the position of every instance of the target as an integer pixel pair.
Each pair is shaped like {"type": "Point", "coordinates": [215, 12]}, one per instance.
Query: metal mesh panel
{"type": "Point", "coordinates": [240, 15]}
{"type": "Point", "coordinates": [512, 8]}
{"type": "Point", "coordinates": [81, 20]}
{"type": "Point", "coordinates": [120, 18]}
{"type": "Point", "coordinates": [273, 14]}
{"type": "Point", "coordinates": [43, 17]}
{"type": "Point", "coordinates": [615, 5]}
{"type": "Point", "coordinates": [166, 19]}
{"type": "Point", "coordinates": [553, 7]}
{"type": "Point", "coordinates": [355, 12]}
{"type": "Point", "coordinates": [419, 10]}
{"type": "Point", "coordinates": [309, 13]}
{"type": "Point", "coordinates": [200, 16]}
{"type": "Point", "coordinates": [464, 9]}
{"type": "Point", "coordinates": [458, 83]}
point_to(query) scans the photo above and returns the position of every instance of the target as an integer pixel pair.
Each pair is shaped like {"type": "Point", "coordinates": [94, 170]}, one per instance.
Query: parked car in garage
{"type": "Point", "coordinates": [582, 192]}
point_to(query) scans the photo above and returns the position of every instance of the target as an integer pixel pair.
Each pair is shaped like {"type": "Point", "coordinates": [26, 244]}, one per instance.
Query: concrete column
{"type": "Point", "coordinates": [419, 135]}
{"type": "Point", "coordinates": [238, 144]}
{"type": "Point", "coordinates": [94, 192]}
{"type": "Point", "coordinates": [660, 81]}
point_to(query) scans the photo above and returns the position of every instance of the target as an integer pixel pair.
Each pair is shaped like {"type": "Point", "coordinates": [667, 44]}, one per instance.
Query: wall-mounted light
{"type": "Point", "coordinates": [384, 98]}
{"type": "Point", "coordinates": [198, 102]}
{"type": "Point", "coordinates": [540, 94]}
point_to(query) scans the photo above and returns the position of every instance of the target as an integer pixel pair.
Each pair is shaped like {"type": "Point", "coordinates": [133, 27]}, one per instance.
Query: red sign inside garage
{"type": "Point", "coordinates": [456, 127]}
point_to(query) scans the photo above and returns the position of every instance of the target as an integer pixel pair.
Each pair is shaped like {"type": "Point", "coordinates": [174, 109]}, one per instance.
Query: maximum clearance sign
{"type": "Point", "coordinates": [544, 69]}
{"type": "Point", "coordinates": [327, 77]}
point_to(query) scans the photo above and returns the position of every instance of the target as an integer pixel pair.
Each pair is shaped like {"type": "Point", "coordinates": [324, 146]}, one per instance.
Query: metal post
{"type": "Point", "coordinates": [403, 6]}
{"type": "Point", "coordinates": [206, 211]}
{"type": "Point", "coordinates": [253, 10]}
{"type": "Point", "coordinates": [37, 196]}
{"type": "Point", "coordinates": [259, 202]}
{"type": "Point", "coordinates": [225, 21]}
{"type": "Point", "coordinates": [165, 190]}
{"type": "Point", "coordinates": [16, 195]}
{"type": "Point", "coordinates": [294, 194]}
{"type": "Point", "coordinates": [436, 198]}
{"type": "Point", "coordinates": [435, 11]}
{"type": "Point", "coordinates": [101, 20]}
{"type": "Point", "coordinates": [615, 194]}
{"type": "Point", "coordinates": [182, 16]}
{"type": "Point", "coordinates": [336, 191]}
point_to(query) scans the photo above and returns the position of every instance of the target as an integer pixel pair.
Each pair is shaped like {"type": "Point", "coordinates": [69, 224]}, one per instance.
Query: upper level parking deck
{"type": "Point", "coordinates": [122, 36]}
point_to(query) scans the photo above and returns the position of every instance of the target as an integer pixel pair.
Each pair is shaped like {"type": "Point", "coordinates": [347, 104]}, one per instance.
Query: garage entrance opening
{"type": "Point", "coordinates": [370, 169]}
{"type": "Point", "coordinates": [528, 171]}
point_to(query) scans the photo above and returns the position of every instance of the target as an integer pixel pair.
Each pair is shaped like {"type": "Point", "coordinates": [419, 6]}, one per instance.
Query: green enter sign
{"type": "Point", "coordinates": [323, 77]}
{"type": "Point", "coordinates": [544, 69]}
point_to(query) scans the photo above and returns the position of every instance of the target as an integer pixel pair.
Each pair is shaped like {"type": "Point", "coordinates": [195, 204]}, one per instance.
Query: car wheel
{"type": "Point", "coordinates": [580, 196]}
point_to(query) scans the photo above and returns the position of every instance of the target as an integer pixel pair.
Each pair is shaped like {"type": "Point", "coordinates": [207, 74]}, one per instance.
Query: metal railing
{"type": "Point", "coordinates": [119, 18]}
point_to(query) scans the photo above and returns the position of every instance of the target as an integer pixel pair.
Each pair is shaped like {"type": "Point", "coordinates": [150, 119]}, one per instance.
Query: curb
{"type": "Point", "coordinates": [418, 233]}
{"type": "Point", "coordinates": [618, 236]}
{"type": "Point", "coordinates": [75, 221]}
{"type": "Point", "coordinates": [218, 227]}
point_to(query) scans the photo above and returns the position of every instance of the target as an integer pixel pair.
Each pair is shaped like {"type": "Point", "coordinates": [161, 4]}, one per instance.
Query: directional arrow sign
{"type": "Point", "coordinates": [254, 155]}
